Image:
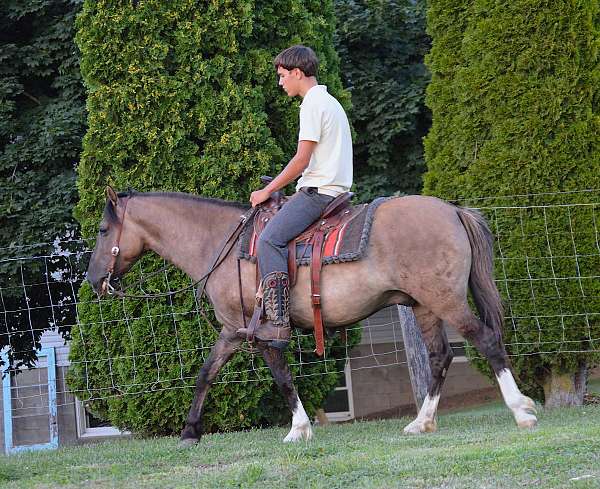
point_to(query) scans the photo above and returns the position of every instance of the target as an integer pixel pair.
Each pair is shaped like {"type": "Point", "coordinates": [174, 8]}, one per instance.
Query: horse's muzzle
{"type": "Point", "coordinates": [108, 286]}
{"type": "Point", "coordinates": [101, 286]}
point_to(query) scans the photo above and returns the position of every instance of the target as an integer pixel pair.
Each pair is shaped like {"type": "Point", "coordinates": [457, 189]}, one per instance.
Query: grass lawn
{"type": "Point", "coordinates": [479, 448]}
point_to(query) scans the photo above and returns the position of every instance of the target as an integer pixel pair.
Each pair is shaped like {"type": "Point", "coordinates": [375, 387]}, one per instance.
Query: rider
{"type": "Point", "coordinates": [324, 158]}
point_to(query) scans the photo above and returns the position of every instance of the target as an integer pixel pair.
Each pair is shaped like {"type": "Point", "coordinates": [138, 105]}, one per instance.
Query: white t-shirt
{"type": "Point", "coordinates": [323, 120]}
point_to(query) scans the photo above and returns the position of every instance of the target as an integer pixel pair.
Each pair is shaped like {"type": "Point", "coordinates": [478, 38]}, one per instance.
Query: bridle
{"type": "Point", "coordinates": [115, 250]}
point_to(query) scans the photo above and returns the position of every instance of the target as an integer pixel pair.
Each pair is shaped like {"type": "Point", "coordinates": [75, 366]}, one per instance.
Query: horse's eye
{"type": "Point", "coordinates": [103, 230]}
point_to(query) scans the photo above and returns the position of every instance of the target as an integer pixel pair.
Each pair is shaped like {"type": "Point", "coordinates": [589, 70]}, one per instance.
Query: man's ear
{"type": "Point", "coordinates": [112, 195]}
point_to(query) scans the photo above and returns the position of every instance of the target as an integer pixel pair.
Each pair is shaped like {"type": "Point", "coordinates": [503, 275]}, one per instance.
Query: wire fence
{"type": "Point", "coordinates": [547, 269]}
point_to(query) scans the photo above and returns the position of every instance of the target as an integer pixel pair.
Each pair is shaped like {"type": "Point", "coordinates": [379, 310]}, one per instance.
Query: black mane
{"type": "Point", "coordinates": [109, 210]}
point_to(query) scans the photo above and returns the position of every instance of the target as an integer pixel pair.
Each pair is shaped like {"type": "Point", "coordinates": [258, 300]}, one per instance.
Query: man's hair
{"type": "Point", "coordinates": [300, 57]}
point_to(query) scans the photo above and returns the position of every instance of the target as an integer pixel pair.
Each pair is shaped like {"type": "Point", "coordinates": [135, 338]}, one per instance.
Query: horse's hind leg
{"type": "Point", "coordinates": [220, 354]}
{"type": "Point", "coordinates": [490, 345]}
{"type": "Point", "coordinates": [301, 429]}
{"type": "Point", "coordinates": [440, 357]}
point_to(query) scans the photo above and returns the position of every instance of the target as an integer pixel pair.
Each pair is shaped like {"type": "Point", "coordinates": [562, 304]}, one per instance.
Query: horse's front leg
{"type": "Point", "coordinates": [220, 354]}
{"type": "Point", "coordinates": [301, 428]}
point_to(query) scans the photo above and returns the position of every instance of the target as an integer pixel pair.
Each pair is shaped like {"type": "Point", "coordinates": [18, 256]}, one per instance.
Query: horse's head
{"type": "Point", "coordinates": [118, 244]}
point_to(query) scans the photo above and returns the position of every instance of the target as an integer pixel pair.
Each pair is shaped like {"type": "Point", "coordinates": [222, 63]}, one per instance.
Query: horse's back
{"type": "Point", "coordinates": [428, 207]}
{"type": "Point", "coordinates": [415, 219]}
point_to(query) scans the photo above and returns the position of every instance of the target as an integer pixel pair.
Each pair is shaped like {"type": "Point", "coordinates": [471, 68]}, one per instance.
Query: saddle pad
{"type": "Point", "coordinates": [344, 243]}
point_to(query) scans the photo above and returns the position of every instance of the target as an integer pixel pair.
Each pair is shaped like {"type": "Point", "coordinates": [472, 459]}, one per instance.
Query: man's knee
{"type": "Point", "coordinates": [267, 241]}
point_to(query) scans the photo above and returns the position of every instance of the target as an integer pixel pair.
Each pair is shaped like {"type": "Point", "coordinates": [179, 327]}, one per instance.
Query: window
{"type": "Point", "coordinates": [89, 426]}
{"type": "Point", "coordinates": [458, 348]}
{"type": "Point", "coordinates": [339, 406]}
{"type": "Point", "coordinates": [29, 402]}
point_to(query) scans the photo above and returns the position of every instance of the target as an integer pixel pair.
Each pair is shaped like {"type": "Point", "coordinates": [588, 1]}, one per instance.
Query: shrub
{"type": "Point", "coordinates": [514, 96]}
{"type": "Point", "coordinates": [182, 96]}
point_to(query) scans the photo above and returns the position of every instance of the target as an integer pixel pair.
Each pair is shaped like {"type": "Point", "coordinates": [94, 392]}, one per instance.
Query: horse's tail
{"type": "Point", "coordinates": [481, 279]}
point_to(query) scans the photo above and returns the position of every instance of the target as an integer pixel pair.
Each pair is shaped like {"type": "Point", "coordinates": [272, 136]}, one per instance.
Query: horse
{"type": "Point", "coordinates": [423, 252]}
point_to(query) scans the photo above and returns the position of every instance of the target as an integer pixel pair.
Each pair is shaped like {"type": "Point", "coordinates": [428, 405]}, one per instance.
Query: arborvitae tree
{"type": "Point", "coordinates": [42, 121]}
{"type": "Point", "coordinates": [183, 96]}
{"type": "Point", "coordinates": [382, 44]}
{"type": "Point", "coordinates": [515, 95]}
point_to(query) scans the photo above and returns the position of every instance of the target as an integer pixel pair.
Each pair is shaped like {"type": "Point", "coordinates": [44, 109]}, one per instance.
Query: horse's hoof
{"type": "Point", "coordinates": [299, 433]}
{"type": "Point", "coordinates": [187, 442]}
{"type": "Point", "coordinates": [421, 426]}
{"type": "Point", "coordinates": [525, 414]}
{"type": "Point", "coordinates": [528, 423]}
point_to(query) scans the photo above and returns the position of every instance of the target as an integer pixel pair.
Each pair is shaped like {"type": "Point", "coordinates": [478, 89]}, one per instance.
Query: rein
{"type": "Point", "coordinates": [230, 240]}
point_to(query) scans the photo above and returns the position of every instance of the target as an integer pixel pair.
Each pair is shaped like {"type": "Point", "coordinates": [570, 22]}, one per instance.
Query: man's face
{"type": "Point", "coordinates": [289, 80]}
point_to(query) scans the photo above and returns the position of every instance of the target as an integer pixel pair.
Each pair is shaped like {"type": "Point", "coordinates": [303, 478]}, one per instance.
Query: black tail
{"type": "Point", "coordinates": [481, 279]}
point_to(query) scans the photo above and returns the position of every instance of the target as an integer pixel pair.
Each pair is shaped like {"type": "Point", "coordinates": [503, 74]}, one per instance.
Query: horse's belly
{"type": "Point", "coordinates": [347, 295]}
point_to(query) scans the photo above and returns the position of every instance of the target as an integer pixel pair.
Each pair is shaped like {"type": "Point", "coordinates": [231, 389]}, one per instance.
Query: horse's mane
{"type": "Point", "coordinates": [109, 210]}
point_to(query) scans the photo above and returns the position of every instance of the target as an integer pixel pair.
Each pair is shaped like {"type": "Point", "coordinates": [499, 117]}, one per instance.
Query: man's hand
{"type": "Point", "coordinates": [259, 196]}
{"type": "Point", "coordinates": [292, 170]}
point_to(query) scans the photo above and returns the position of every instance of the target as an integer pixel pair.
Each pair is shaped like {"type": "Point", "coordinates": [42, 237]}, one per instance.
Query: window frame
{"type": "Point", "coordinates": [84, 431]}
{"type": "Point", "coordinates": [339, 416]}
{"type": "Point", "coordinates": [9, 447]}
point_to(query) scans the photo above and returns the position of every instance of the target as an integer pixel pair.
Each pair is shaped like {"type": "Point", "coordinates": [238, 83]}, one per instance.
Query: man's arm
{"type": "Point", "coordinates": [291, 171]}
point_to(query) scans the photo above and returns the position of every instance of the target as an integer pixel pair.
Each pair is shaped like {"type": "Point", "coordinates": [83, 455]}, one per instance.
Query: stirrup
{"type": "Point", "coordinates": [279, 344]}
{"type": "Point", "coordinates": [254, 336]}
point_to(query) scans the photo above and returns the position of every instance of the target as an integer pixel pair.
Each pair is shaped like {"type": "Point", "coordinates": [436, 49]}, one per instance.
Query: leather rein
{"type": "Point", "coordinates": [220, 256]}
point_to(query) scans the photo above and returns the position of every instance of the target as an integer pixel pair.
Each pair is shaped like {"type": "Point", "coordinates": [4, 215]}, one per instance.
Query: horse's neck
{"type": "Point", "coordinates": [185, 232]}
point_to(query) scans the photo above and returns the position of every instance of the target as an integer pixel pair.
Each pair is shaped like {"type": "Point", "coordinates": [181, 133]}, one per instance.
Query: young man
{"type": "Point", "coordinates": [324, 159]}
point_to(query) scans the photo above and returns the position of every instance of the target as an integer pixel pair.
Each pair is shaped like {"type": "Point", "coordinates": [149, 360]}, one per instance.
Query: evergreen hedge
{"type": "Point", "coordinates": [515, 97]}
{"type": "Point", "coordinates": [183, 96]}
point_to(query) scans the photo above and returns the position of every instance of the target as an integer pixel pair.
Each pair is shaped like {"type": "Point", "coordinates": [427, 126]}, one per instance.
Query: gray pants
{"type": "Point", "coordinates": [299, 212]}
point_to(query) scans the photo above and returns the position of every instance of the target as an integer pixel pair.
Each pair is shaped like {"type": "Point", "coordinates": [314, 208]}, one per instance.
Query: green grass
{"type": "Point", "coordinates": [480, 448]}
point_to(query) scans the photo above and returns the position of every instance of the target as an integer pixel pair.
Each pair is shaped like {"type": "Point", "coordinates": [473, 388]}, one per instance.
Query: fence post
{"type": "Point", "coordinates": [417, 357]}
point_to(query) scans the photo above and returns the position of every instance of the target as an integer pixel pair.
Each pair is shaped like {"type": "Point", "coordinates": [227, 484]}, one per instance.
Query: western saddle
{"type": "Point", "coordinates": [336, 214]}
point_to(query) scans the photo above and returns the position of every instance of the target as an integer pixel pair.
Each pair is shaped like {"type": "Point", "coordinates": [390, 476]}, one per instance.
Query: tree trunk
{"type": "Point", "coordinates": [417, 357]}
{"type": "Point", "coordinates": [566, 389]}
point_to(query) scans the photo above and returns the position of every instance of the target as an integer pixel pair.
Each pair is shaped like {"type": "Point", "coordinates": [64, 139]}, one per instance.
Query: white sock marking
{"type": "Point", "coordinates": [425, 420]}
{"type": "Point", "coordinates": [523, 407]}
{"type": "Point", "coordinates": [301, 428]}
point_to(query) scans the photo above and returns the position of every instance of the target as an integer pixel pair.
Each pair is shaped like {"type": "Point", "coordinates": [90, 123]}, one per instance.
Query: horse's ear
{"type": "Point", "coordinates": [112, 195]}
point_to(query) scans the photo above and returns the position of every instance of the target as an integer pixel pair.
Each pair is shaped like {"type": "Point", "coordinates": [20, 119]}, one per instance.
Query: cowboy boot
{"type": "Point", "coordinates": [275, 307]}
